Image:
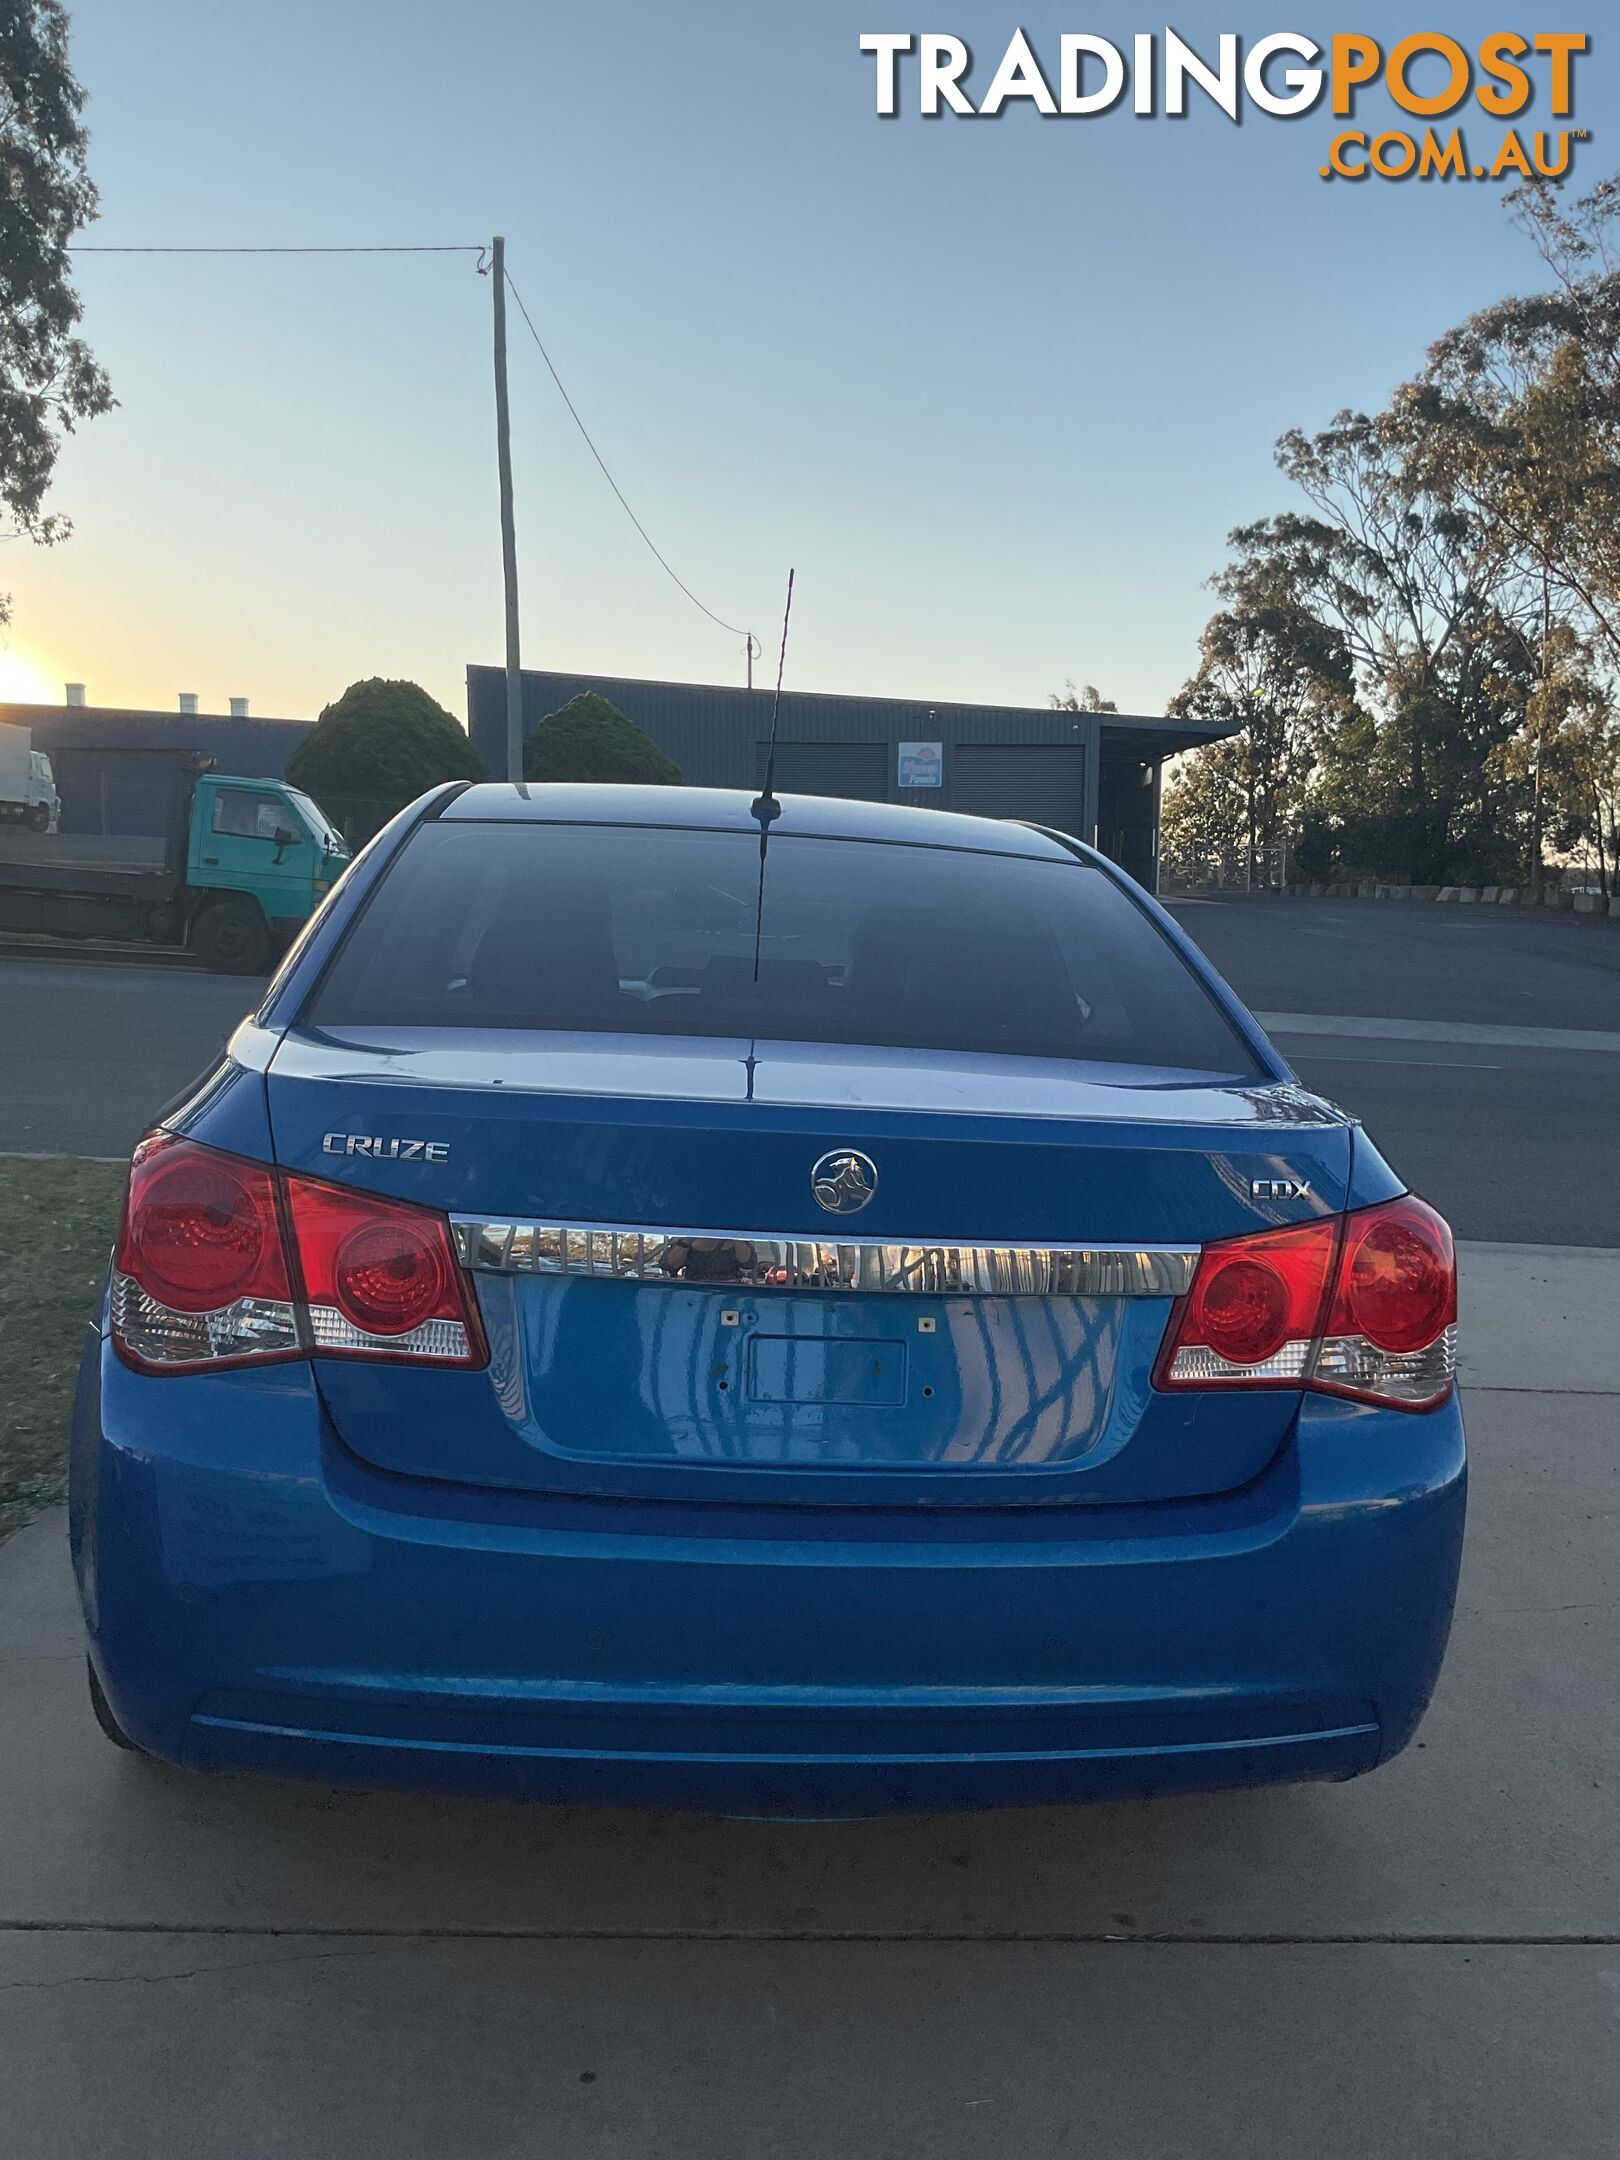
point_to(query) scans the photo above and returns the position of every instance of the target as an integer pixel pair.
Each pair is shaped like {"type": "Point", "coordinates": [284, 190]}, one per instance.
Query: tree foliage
{"type": "Point", "coordinates": [1521, 410]}
{"type": "Point", "coordinates": [1270, 669]}
{"type": "Point", "coordinates": [378, 747]}
{"type": "Point", "coordinates": [49, 380]}
{"type": "Point", "coordinates": [1086, 699]}
{"type": "Point", "coordinates": [590, 739]}
{"type": "Point", "coordinates": [1566, 755]}
{"type": "Point", "coordinates": [1451, 581]}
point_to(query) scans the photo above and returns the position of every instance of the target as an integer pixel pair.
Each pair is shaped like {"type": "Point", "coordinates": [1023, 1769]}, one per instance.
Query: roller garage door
{"type": "Point", "coordinates": [1043, 782]}
{"type": "Point", "coordinates": [856, 769]}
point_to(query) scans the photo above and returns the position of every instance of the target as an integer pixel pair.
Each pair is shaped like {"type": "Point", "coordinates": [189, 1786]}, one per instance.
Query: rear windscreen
{"type": "Point", "coordinates": [644, 930]}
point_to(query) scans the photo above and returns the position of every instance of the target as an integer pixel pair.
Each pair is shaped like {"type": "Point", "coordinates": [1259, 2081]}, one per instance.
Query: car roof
{"type": "Point", "coordinates": [833, 817]}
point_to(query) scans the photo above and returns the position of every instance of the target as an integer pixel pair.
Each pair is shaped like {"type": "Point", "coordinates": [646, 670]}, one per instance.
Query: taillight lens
{"type": "Point", "coordinates": [1398, 1282]}
{"type": "Point", "coordinates": [1254, 1310]}
{"type": "Point", "coordinates": [381, 1278]}
{"type": "Point", "coordinates": [1391, 1336]}
{"type": "Point", "coordinates": [204, 1230]}
{"type": "Point", "coordinates": [1363, 1305]}
{"type": "Point", "coordinates": [223, 1262]}
{"type": "Point", "coordinates": [201, 1276]}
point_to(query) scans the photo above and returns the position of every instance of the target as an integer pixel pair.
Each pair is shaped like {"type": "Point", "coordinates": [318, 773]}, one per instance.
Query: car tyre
{"type": "Point", "coordinates": [104, 1714]}
{"type": "Point", "coordinates": [232, 939]}
{"type": "Point", "coordinates": [39, 817]}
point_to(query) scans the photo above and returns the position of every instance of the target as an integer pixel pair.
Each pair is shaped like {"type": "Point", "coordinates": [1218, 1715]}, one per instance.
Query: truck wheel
{"type": "Point", "coordinates": [39, 817]}
{"type": "Point", "coordinates": [232, 939]}
{"type": "Point", "coordinates": [104, 1714]}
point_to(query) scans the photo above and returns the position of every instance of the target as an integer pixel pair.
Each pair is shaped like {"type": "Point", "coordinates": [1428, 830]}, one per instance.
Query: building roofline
{"type": "Point", "coordinates": [22, 715]}
{"type": "Point", "coordinates": [1203, 730]}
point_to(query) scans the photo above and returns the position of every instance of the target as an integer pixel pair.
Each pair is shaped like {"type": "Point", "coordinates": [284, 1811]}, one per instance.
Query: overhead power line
{"type": "Point", "coordinates": [658, 557]}
{"type": "Point", "coordinates": [430, 248]}
{"type": "Point", "coordinates": [482, 251]}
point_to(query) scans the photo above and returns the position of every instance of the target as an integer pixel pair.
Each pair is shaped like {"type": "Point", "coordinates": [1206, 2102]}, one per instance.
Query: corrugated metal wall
{"type": "Point", "coordinates": [133, 795]}
{"type": "Point", "coordinates": [257, 749]}
{"type": "Point", "coordinates": [829, 745]}
{"type": "Point", "coordinates": [1043, 782]}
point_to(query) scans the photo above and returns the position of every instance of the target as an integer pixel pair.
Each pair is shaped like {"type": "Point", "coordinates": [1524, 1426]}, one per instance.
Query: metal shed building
{"type": "Point", "coordinates": [115, 765]}
{"type": "Point", "coordinates": [1096, 775]}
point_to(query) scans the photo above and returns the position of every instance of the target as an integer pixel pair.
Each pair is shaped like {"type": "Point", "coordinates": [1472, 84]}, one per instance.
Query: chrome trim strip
{"type": "Point", "coordinates": [706, 1258]}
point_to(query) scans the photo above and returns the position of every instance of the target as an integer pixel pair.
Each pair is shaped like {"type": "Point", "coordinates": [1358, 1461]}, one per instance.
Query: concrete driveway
{"type": "Point", "coordinates": [1426, 1962]}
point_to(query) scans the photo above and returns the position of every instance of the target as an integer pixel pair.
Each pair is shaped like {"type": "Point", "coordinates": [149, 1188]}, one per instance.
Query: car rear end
{"type": "Point", "coordinates": [912, 1345]}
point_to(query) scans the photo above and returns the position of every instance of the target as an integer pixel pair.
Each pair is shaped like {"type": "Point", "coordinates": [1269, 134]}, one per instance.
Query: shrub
{"type": "Point", "coordinates": [590, 739]}
{"type": "Point", "coordinates": [376, 749]}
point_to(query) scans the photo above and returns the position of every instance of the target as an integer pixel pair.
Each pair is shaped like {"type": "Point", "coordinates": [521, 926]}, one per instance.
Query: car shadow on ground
{"type": "Point", "coordinates": [1497, 1822]}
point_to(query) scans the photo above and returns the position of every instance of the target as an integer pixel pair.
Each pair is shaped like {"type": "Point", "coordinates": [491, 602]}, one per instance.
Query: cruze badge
{"type": "Point", "coordinates": [844, 1182]}
{"type": "Point", "coordinates": [338, 1143]}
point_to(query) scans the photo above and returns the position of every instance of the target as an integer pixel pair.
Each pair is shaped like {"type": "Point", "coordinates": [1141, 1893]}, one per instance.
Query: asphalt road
{"type": "Point", "coordinates": [91, 1050]}
{"type": "Point", "coordinates": [1512, 1135]}
{"type": "Point", "coordinates": [1503, 967]}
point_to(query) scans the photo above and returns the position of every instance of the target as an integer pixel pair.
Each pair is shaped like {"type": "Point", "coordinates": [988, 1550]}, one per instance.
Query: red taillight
{"type": "Point", "coordinates": [1254, 1300]}
{"type": "Point", "coordinates": [380, 1275]}
{"type": "Point", "coordinates": [1243, 1311]}
{"type": "Point", "coordinates": [1398, 1280]}
{"type": "Point", "coordinates": [1391, 1335]}
{"type": "Point", "coordinates": [1363, 1305]}
{"type": "Point", "coordinates": [201, 1229]}
{"type": "Point", "coordinates": [389, 1280]}
{"type": "Point", "coordinates": [201, 1277]}
{"type": "Point", "coordinates": [222, 1262]}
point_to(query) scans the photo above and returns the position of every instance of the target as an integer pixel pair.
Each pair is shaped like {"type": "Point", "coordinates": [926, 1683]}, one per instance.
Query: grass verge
{"type": "Point", "coordinates": [57, 1221]}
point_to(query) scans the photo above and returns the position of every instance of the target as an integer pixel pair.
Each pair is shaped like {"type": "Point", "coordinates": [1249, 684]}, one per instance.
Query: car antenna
{"type": "Point", "coordinates": [765, 806]}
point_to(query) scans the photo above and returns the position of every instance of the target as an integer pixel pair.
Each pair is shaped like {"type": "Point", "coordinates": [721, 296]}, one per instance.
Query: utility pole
{"type": "Point", "coordinates": [503, 438]}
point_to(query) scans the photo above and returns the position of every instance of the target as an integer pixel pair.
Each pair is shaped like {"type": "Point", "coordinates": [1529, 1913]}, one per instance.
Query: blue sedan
{"type": "Point", "coordinates": [803, 1307]}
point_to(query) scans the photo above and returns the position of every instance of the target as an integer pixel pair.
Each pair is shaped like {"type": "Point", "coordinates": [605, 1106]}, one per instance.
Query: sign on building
{"type": "Point", "coordinates": [922, 764]}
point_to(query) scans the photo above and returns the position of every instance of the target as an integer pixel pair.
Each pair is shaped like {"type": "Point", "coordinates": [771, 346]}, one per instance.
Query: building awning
{"type": "Point", "coordinates": [1129, 736]}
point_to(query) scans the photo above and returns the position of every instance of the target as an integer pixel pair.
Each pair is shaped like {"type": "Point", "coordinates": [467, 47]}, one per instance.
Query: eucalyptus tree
{"type": "Point", "coordinates": [49, 378]}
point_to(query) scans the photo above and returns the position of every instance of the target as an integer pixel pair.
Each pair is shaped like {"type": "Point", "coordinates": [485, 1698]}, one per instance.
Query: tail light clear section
{"type": "Point", "coordinates": [1362, 1305]}
{"type": "Point", "coordinates": [222, 1261]}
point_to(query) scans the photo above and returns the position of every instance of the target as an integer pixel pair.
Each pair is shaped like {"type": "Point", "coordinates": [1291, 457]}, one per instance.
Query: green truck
{"type": "Point", "coordinates": [239, 871]}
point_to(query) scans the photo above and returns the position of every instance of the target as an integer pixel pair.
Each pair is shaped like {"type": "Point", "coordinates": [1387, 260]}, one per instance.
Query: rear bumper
{"type": "Point", "coordinates": [258, 1600]}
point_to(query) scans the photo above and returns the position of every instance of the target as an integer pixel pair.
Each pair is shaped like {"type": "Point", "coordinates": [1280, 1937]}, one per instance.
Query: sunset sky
{"type": "Point", "coordinates": [997, 389]}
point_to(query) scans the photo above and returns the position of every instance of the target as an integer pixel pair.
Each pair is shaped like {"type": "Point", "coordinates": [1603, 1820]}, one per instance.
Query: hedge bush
{"type": "Point", "coordinates": [590, 739]}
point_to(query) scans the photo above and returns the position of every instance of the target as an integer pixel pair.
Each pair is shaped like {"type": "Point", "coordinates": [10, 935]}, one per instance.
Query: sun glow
{"type": "Point", "coordinates": [25, 681]}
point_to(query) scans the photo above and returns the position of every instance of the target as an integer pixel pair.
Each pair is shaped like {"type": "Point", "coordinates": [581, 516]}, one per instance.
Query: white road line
{"type": "Point", "coordinates": [1436, 1064]}
{"type": "Point", "coordinates": [1347, 1027]}
{"type": "Point", "coordinates": [119, 1162]}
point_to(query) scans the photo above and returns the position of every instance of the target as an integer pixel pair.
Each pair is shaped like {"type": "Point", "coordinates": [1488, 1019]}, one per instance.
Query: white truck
{"type": "Point", "coordinates": [27, 785]}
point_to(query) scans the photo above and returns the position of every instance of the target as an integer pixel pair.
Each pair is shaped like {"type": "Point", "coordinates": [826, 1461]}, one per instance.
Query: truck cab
{"type": "Point", "coordinates": [27, 785]}
{"type": "Point", "coordinates": [232, 868]}
{"type": "Point", "coordinates": [44, 804]}
{"type": "Point", "coordinates": [261, 857]}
